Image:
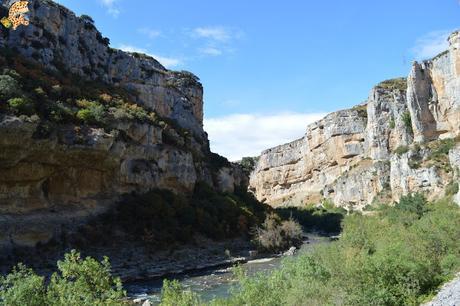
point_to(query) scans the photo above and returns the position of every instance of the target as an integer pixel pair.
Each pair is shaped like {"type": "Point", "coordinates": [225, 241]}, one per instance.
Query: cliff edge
{"type": "Point", "coordinates": [403, 139]}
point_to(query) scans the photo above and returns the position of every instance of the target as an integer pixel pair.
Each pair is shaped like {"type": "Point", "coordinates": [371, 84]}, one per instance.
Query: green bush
{"type": "Point", "coordinates": [392, 123]}
{"type": "Point", "coordinates": [22, 287]}
{"type": "Point", "coordinates": [407, 120]}
{"type": "Point", "coordinates": [401, 150]}
{"type": "Point", "coordinates": [413, 203]}
{"type": "Point", "coordinates": [94, 113]}
{"type": "Point", "coordinates": [248, 164]}
{"type": "Point", "coordinates": [173, 294]}
{"type": "Point", "coordinates": [9, 87]}
{"type": "Point", "coordinates": [60, 112]}
{"type": "Point", "coordinates": [21, 106]}
{"type": "Point", "coordinates": [78, 282]}
{"type": "Point", "coordinates": [441, 148]}
{"type": "Point", "coordinates": [379, 260]}
{"type": "Point", "coordinates": [452, 189]}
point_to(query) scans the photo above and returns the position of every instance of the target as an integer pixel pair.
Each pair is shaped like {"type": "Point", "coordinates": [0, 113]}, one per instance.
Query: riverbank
{"type": "Point", "coordinates": [448, 295]}
{"type": "Point", "coordinates": [216, 282]}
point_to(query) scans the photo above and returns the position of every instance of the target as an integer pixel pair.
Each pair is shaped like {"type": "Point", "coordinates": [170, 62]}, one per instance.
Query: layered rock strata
{"type": "Point", "coordinates": [376, 151]}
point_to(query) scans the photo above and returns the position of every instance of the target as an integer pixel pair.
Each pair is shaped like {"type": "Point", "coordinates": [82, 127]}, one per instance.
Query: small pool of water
{"type": "Point", "coordinates": [216, 283]}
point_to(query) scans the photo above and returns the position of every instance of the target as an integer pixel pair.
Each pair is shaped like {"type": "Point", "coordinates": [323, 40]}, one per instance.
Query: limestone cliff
{"type": "Point", "coordinates": [396, 143]}
{"type": "Point", "coordinates": [56, 174]}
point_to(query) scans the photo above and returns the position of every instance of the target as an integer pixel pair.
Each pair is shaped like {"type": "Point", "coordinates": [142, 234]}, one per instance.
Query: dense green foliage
{"type": "Point", "coordinates": [248, 164]}
{"type": "Point", "coordinates": [78, 282]}
{"type": "Point", "coordinates": [407, 120]}
{"type": "Point", "coordinates": [396, 257]}
{"type": "Point", "coordinates": [162, 219]}
{"type": "Point", "coordinates": [173, 294]}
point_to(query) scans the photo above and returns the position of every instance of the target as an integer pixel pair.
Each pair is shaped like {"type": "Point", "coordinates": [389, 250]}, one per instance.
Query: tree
{"type": "Point", "coordinates": [78, 282]}
{"type": "Point", "coordinates": [9, 87]}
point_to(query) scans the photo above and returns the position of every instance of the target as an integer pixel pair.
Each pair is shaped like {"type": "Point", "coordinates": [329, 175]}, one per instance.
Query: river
{"type": "Point", "coordinates": [215, 283]}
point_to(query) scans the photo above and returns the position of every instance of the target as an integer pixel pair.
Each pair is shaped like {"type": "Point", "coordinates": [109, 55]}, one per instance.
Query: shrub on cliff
{"type": "Point", "coordinates": [9, 87]}
{"type": "Point", "coordinates": [93, 113]}
{"type": "Point", "coordinates": [407, 120]}
{"type": "Point", "coordinates": [78, 282]}
{"type": "Point", "coordinates": [21, 106]}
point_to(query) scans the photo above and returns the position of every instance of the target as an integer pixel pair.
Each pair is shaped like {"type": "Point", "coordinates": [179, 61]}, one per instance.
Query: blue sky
{"type": "Point", "coordinates": [271, 67]}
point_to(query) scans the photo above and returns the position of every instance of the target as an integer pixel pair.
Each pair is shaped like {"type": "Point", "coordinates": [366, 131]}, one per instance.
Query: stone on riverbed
{"type": "Point", "coordinates": [290, 252]}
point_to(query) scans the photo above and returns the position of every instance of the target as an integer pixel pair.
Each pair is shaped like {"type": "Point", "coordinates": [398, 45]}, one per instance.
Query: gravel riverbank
{"type": "Point", "coordinates": [449, 294]}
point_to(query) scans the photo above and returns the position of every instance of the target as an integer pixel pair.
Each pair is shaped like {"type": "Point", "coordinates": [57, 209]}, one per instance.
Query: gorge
{"type": "Point", "coordinates": [104, 151]}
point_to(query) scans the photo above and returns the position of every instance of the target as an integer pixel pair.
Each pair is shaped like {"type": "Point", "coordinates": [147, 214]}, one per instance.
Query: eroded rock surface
{"type": "Point", "coordinates": [378, 150]}
{"type": "Point", "coordinates": [54, 182]}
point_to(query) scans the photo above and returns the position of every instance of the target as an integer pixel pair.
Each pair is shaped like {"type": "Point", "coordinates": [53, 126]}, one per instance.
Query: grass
{"type": "Point", "coordinates": [401, 150]}
{"type": "Point", "coordinates": [394, 84]}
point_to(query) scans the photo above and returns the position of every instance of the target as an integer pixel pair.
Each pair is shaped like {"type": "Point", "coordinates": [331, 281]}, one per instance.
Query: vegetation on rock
{"type": "Point", "coordinates": [63, 98]}
{"type": "Point", "coordinates": [162, 219]}
{"type": "Point", "coordinates": [248, 164]}
{"type": "Point", "coordinates": [394, 84]}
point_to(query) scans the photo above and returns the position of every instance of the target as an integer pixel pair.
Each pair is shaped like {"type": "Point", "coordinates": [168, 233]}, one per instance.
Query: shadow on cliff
{"type": "Point", "coordinates": [325, 221]}
{"type": "Point", "coordinates": [161, 219]}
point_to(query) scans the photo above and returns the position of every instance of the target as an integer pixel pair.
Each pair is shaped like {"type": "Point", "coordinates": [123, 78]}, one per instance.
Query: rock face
{"type": "Point", "coordinates": [59, 39]}
{"type": "Point", "coordinates": [382, 149]}
{"type": "Point", "coordinates": [53, 183]}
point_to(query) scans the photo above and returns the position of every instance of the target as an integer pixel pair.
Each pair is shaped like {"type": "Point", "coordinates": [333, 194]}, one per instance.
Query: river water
{"type": "Point", "coordinates": [215, 283]}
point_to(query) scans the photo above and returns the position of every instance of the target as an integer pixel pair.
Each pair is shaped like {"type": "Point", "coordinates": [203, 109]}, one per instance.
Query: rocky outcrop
{"type": "Point", "coordinates": [377, 151]}
{"type": "Point", "coordinates": [434, 94]}
{"type": "Point", "coordinates": [298, 171]}
{"type": "Point", "coordinates": [60, 40]}
{"type": "Point", "coordinates": [454, 159]}
{"type": "Point", "coordinates": [53, 180]}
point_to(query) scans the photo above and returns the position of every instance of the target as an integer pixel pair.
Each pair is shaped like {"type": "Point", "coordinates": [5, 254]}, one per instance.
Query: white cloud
{"type": "Point", "coordinates": [431, 44]}
{"type": "Point", "coordinates": [215, 33]}
{"type": "Point", "coordinates": [238, 135]}
{"type": "Point", "coordinates": [168, 62]}
{"type": "Point", "coordinates": [217, 40]}
{"type": "Point", "coordinates": [151, 33]}
{"type": "Point", "coordinates": [112, 9]}
{"type": "Point", "coordinates": [210, 51]}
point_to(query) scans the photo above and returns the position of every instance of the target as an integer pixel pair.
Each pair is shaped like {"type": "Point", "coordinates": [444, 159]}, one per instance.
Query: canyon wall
{"type": "Point", "coordinates": [53, 179]}
{"type": "Point", "coordinates": [393, 144]}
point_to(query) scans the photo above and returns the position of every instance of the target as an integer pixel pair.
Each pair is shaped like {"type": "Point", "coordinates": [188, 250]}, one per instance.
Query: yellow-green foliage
{"type": "Point", "coordinates": [173, 294]}
{"type": "Point", "coordinates": [78, 282]}
{"type": "Point", "coordinates": [27, 88]}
